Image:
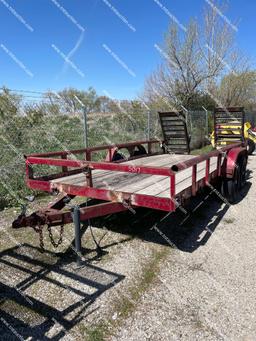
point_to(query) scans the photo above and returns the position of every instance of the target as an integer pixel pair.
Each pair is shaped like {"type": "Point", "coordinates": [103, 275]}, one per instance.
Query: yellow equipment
{"type": "Point", "coordinates": [229, 127]}
{"type": "Point", "coordinates": [250, 135]}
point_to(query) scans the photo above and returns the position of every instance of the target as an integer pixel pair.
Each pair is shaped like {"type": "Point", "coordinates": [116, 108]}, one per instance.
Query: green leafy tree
{"type": "Point", "coordinates": [238, 89]}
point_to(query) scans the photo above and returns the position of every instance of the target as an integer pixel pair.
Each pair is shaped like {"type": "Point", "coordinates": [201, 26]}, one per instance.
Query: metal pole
{"type": "Point", "coordinates": [206, 123]}
{"type": "Point", "coordinates": [187, 118]}
{"type": "Point", "coordinates": [85, 113]}
{"type": "Point", "coordinates": [85, 128]}
{"type": "Point", "coordinates": [77, 225]}
{"type": "Point", "coordinates": [148, 135]}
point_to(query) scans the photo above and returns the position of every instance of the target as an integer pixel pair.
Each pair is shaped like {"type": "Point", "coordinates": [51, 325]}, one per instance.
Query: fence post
{"type": "Point", "coordinates": [148, 132]}
{"type": "Point", "coordinates": [85, 127]}
{"type": "Point", "coordinates": [85, 113]}
{"type": "Point", "coordinates": [206, 123]}
{"type": "Point", "coordinates": [187, 118]}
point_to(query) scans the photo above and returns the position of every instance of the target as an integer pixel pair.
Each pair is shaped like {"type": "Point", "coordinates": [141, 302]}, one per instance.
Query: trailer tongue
{"type": "Point", "coordinates": [152, 177]}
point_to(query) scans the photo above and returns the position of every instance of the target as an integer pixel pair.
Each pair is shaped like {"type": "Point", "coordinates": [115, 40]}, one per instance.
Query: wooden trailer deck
{"type": "Point", "coordinates": [136, 183]}
{"type": "Point", "coordinates": [156, 181]}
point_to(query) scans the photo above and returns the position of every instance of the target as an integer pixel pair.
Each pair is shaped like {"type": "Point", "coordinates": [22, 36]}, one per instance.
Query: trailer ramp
{"type": "Point", "coordinates": [228, 125]}
{"type": "Point", "coordinates": [175, 132]}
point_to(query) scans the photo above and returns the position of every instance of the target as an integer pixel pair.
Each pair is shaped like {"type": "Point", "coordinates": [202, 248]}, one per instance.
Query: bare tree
{"type": "Point", "coordinates": [194, 61]}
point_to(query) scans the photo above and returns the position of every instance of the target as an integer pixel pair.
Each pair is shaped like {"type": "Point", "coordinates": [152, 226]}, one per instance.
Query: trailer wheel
{"type": "Point", "coordinates": [242, 164]}
{"type": "Point", "coordinates": [233, 190]}
{"type": "Point", "coordinates": [232, 187]}
{"type": "Point", "coordinates": [118, 156]}
{"type": "Point", "coordinates": [230, 190]}
{"type": "Point", "coordinates": [138, 150]}
{"type": "Point", "coordinates": [250, 146]}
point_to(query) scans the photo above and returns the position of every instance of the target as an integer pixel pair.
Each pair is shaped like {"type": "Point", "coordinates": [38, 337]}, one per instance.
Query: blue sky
{"type": "Point", "coordinates": [49, 32]}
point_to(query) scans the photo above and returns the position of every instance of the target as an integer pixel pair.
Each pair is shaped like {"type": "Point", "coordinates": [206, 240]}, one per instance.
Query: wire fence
{"type": "Point", "coordinates": [43, 131]}
{"type": "Point", "coordinates": [120, 127]}
{"type": "Point", "coordinates": [26, 134]}
{"type": "Point", "coordinates": [251, 117]}
{"type": "Point", "coordinates": [199, 125]}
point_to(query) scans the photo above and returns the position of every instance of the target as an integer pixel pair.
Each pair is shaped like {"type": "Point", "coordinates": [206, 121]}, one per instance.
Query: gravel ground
{"type": "Point", "coordinates": [191, 281]}
{"type": "Point", "coordinates": [209, 294]}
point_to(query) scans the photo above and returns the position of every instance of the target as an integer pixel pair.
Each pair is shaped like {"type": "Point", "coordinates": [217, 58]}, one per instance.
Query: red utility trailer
{"type": "Point", "coordinates": [152, 176]}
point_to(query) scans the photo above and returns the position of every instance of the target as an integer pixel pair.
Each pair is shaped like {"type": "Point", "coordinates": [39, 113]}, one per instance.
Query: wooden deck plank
{"type": "Point", "coordinates": [154, 185]}
{"type": "Point", "coordinates": [155, 160]}
{"type": "Point", "coordinates": [125, 181]}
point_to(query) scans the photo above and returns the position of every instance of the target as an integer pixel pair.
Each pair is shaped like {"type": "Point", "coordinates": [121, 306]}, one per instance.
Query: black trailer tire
{"type": "Point", "coordinates": [117, 156]}
{"type": "Point", "coordinates": [231, 187]}
{"type": "Point", "coordinates": [250, 146]}
{"type": "Point", "coordinates": [233, 191]}
{"type": "Point", "coordinates": [242, 162]}
{"type": "Point", "coordinates": [140, 151]}
{"type": "Point", "coordinates": [229, 190]}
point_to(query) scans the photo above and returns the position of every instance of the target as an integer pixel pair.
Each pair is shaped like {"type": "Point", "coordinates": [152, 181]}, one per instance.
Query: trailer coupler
{"type": "Point", "coordinates": [35, 219]}
{"type": "Point", "coordinates": [59, 217]}
{"type": "Point", "coordinates": [55, 217]}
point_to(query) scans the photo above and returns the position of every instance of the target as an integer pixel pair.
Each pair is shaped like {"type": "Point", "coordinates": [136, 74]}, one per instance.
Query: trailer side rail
{"type": "Point", "coordinates": [150, 201]}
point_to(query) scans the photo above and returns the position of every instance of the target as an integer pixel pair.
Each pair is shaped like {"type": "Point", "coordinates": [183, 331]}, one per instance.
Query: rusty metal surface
{"type": "Point", "coordinates": [56, 217]}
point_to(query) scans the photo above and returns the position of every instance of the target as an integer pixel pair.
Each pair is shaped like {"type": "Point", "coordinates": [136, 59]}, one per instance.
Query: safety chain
{"type": "Point", "coordinates": [39, 230]}
{"type": "Point", "coordinates": [56, 244]}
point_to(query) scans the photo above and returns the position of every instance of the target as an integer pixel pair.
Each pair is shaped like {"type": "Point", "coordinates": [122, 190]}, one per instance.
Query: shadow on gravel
{"type": "Point", "coordinates": [185, 231]}
{"type": "Point", "coordinates": [37, 292]}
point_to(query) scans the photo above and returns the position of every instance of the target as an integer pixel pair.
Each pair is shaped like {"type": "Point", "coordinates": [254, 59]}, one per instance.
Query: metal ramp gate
{"type": "Point", "coordinates": [175, 132]}
{"type": "Point", "coordinates": [228, 125]}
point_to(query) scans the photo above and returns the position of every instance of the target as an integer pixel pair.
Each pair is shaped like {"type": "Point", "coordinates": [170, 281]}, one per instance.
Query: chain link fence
{"type": "Point", "coordinates": [251, 117]}
{"type": "Point", "coordinates": [199, 124]}
{"type": "Point", "coordinates": [26, 134]}
{"type": "Point", "coordinates": [39, 132]}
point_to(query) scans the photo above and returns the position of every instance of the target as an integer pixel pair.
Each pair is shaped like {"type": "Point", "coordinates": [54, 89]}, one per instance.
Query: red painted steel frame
{"type": "Point", "coordinates": [232, 159]}
{"type": "Point", "coordinates": [166, 204]}
{"type": "Point", "coordinates": [88, 151]}
{"type": "Point", "coordinates": [55, 217]}
{"type": "Point", "coordinates": [204, 157]}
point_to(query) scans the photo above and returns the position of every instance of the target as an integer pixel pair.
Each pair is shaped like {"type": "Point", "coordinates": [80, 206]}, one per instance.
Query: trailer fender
{"type": "Point", "coordinates": [111, 154]}
{"type": "Point", "coordinates": [115, 154]}
{"type": "Point", "coordinates": [232, 158]}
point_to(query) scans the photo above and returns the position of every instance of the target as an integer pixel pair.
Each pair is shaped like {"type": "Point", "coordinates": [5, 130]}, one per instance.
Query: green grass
{"type": "Point", "coordinates": [96, 333]}
{"type": "Point", "coordinates": [202, 150]}
{"type": "Point", "coordinates": [126, 305]}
